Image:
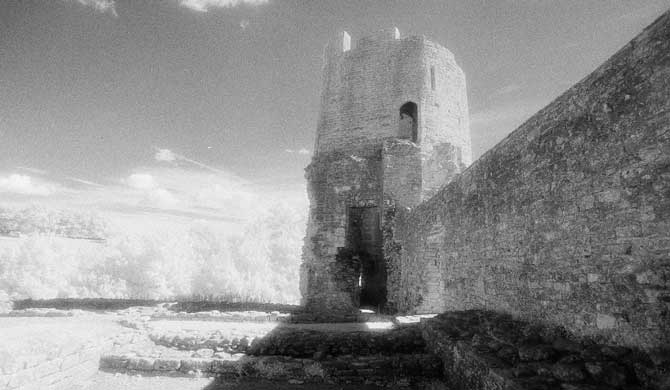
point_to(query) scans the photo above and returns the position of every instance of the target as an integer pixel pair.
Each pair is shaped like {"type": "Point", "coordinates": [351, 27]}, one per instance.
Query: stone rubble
{"type": "Point", "coordinates": [488, 350]}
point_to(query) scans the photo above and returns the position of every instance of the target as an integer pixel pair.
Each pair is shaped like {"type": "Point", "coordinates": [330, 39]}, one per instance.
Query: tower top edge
{"type": "Point", "coordinates": [342, 41]}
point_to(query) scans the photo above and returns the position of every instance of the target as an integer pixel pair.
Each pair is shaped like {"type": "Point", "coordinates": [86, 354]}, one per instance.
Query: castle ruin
{"type": "Point", "coordinates": [393, 128]}
{"type": "Point", "coordinates": [566, 221]}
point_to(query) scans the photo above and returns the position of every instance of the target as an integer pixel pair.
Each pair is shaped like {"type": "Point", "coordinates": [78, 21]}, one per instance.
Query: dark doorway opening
{"type": "Point", "coordinates": [365, 242]}
{"type": "Point", "coordinates": [408, 121]}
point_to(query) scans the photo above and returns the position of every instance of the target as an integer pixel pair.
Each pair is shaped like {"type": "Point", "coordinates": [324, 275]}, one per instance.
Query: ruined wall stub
{"type": "Point", "coordinates": [393, 128]}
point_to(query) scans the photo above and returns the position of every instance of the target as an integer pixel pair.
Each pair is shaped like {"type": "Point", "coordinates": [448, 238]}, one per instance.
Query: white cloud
{"type": "Point", "coordinates": [159, 194]}
{"type": "Point", "coordinates": [205, 5]}
{"type": "Point", "coordinates": [23, 184]}
{"type": "Point", "coordinates": [141, 181]}
{"type": "Point", "coordinates": [102, 6]}
{"type": "Point", "coordinates": [165, 155]}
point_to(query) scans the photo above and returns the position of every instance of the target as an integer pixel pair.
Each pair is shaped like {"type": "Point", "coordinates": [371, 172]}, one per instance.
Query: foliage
{"type": "Point", "coordinates": [260, 263]}
{"type": "Point", "coordinates": [66, 223]}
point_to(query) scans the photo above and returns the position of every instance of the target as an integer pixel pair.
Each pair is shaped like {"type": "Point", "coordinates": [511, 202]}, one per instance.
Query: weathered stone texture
{"type": "Point", "coordinates": [364, 88]}
{"type": "Point", "coordinates": [487, 350]}
{"type": "Point", "coordinates": [567, 220]}
{"type": "Point", "coordinates": [401, 172]}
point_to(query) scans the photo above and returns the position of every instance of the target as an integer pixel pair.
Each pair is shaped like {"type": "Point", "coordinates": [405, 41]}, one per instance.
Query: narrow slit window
{"type": "Point", "coordinates": [432, 78]}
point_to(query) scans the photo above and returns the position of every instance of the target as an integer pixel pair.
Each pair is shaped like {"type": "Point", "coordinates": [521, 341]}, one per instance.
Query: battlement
{"type": "Point", "coordinates": [386, 35]}
{"type": "Point", "coordinates": [341, 44]}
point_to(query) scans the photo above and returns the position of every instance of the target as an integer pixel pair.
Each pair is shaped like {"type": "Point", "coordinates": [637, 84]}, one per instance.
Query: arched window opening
{"type": "Point", "coordinates": [408, 121]}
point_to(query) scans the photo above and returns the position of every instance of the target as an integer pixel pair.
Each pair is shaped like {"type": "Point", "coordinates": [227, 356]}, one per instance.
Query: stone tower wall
{"type": "Point", "coordinates": [359, 160]}
{"type": "Point", "coordinates": [364, 88]}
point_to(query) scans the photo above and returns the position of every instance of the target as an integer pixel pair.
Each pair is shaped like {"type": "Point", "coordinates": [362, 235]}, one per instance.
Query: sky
{"type": "Point", "coordinates": [205, 108]}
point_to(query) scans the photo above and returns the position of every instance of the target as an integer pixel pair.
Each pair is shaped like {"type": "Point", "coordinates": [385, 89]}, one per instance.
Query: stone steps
{"type": "Point", "coordinates": [306, 343]}
{"type": "Point", "coordinates": [215, 315]}
{"type": "Point", "coordinates": [374, 369]}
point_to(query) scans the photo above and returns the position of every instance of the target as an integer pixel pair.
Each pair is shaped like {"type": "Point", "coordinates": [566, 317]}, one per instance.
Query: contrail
{"type": "Point", "coordinates": [82, 181]}
{"type": "Point", "coordinates": [194, 162]}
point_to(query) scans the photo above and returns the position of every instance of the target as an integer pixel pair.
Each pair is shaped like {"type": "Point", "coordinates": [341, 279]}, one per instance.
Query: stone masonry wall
{"type": "Point", "coordinates": [567, 220]}
{"type": "Point", "coordinates": [336, 181]}
{"type": "Point", "coordinates": [401, 172]}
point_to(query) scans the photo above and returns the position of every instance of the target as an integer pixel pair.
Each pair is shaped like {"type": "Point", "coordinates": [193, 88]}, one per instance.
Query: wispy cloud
{"type": "Point", "coordinates": [25, 185]}
{"type": "Point", "coordinates": [173, 189]}
{"type": "Point", "coordinates": [103, 6]}
{"type": "Point", "coordinates": [82, 181]}
{"type": "Point", "coordinates": [157, 197]}
{"type": "Point", "coordinates": [206, 5]}
{"type": "Point", "coordinates": [303, 151]}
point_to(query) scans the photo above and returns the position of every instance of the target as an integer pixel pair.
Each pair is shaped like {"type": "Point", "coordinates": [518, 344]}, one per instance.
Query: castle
{"type": "Point", "coordinates": [566, 221]}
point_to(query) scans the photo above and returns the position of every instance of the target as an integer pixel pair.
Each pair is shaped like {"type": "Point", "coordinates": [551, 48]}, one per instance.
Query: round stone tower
{"type": "Point", "coordinates": [392, 130]}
